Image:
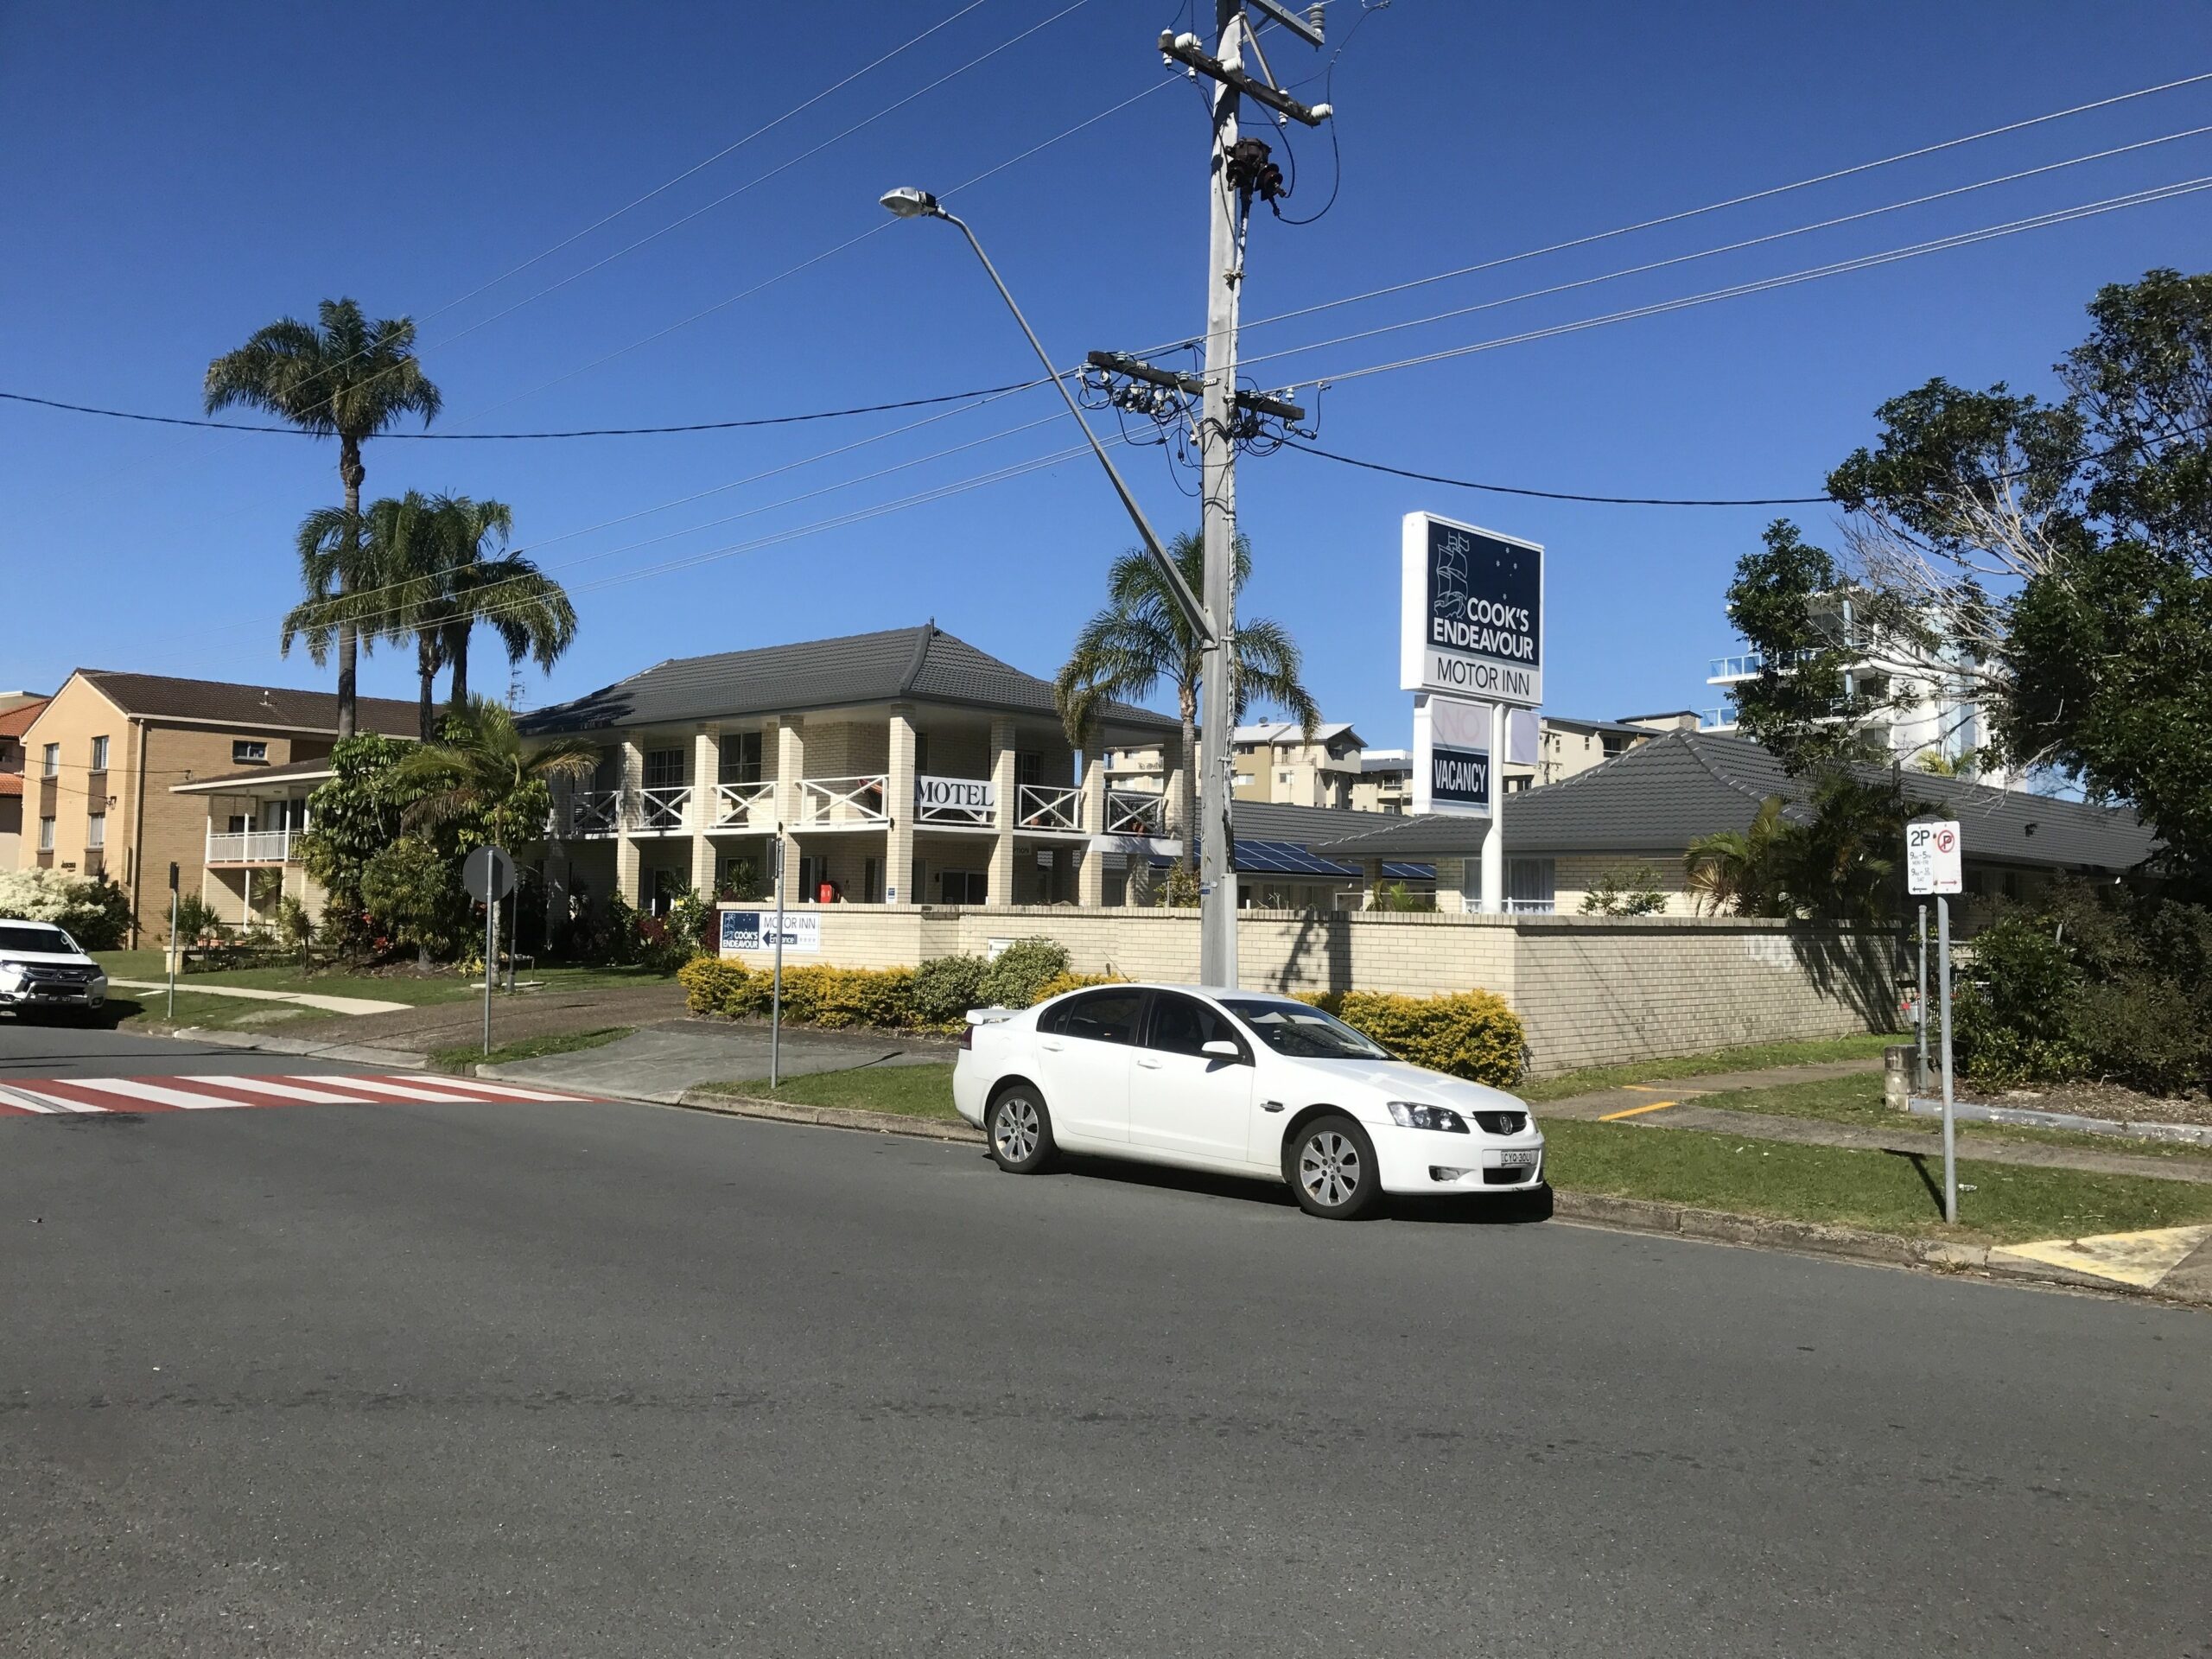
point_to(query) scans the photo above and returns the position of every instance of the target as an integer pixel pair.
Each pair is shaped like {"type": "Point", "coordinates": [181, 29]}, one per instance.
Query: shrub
{"type": "Point", "coordinates": [1181, 890]}
{"type": "Point", "coordinates": [1469, 1034]}
{"type": "Point", "coordinates": [1061, 983]}
{"type": "Point", "coordinates": [1012, 980]}
{"type": "Point", "coordinates": [294, 927]}
{"type": "Point", "coordinates": [409, 891]}
{"type": "Point", "coordinates": [196, 919]}
{"type": "Point", "coordinates": [945, 987]}
{"type": "Point", "coordinates": [836, 997]}
{"type": "Point", "coordinates": [92, 910]}
{"type": "Point", "coordinates": [713, 986]}
{"type": "Point", "coordinates": [2013, 1019]}
{"type": "Point", "coordinates": [1625, 890]}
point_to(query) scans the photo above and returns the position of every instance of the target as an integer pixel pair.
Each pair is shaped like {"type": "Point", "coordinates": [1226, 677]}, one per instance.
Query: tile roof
{"type": "Point", "coordinates": [159, 695]}
{"type": "Point", "coordinates": [924, 664]}
{"type": "Point", "coordinates": [14, 723]}
{"type": "Point", "coordinates": [11, 783]}
{"type": "Point", "coordinates": [1660, 795]}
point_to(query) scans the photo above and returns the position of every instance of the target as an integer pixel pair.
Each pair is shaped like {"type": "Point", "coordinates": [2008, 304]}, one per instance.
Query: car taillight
{"type": "Point", "coordinates": [966, 1036]}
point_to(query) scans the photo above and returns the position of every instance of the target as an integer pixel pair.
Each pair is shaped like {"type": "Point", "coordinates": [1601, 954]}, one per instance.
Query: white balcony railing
{"type": "Point", "coordinates": [1136, 812]}
{"type": "Point", "coordinates": [663, 808]}
{"type": "Point", "coordinates": [252, 847]}
{"type": "Point", "coordinates": [594, 811]}
{"type": "Point", "coordinates": [843, 800]}
{"type": "Point", "coordinates": [745, 806]}
{"type": "Point", "coordinates": [1042, 806]}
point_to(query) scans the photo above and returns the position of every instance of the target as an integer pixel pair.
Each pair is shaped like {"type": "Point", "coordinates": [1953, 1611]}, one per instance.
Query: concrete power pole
{"type": "Point", "coordinates": [1218, 471]}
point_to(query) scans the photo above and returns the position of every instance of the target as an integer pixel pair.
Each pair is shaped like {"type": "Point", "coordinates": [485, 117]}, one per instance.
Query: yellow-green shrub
{"type": "Point", "coordinates": [713, 986]}
{"type": "Point", "coordinates": [1071, 982]}
{"type": "Point", "coordinates": [1469, 1033]}
{"type": "Point", "coordinates": [849, 997]}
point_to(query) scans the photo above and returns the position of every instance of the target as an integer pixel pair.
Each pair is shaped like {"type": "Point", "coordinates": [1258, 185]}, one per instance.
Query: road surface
{"type": "Point", "coordinates": [601, 1379]}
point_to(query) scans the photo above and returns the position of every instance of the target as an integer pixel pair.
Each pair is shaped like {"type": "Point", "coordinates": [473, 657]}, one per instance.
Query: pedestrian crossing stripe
{"type": "Point", "coordinates": [201, 1092]}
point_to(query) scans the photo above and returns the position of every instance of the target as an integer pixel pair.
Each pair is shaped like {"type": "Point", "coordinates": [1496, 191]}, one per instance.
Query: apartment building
{"type": "Point", "coordinates": [1278, 762]}
{"type": "Point", "coordinates": [106, 753]}
{"type": "Point", "coordinates": [17, 710]}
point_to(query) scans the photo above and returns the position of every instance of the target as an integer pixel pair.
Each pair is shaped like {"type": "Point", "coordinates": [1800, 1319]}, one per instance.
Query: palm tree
{"type": "Point", "coordinates": [350, 380]}
{"type": "Point", "coordinates": [529, 610]}
{"type": "Point", "coordinates": [483, 767]}
{"type": "Point", "coordinates": [1141, 637]}
{"type": "Point", "coordinates": [1733, 869]}
{"type": "Point", "coordinates": [373, 575]}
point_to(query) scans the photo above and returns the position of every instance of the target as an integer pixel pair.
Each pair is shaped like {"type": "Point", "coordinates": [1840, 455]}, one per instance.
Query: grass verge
{"type": "Point", "coordinates": [904, 1090]}
{"type": "Point", "coordinates": [417, 990]}
{"type": "Point", "coordinates": [1857, 1101]}
{"type": "Point", "coordinates": [527, 1048]}
{"type": "Point", "coordinates": [1755, 1057]}
{"type": "Point", "coordinates": [1881, 1191]}
{"type": "Point", "coordinates": [132, 1009]}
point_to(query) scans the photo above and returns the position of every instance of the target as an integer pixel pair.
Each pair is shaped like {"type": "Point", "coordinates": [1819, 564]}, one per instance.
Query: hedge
{"type": "Point", "coordinates": [1471, 1034]}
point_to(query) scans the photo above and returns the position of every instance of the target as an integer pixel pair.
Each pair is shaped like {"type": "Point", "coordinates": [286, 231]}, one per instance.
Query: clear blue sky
{"type": "Point", "coordinates": [175, 177]}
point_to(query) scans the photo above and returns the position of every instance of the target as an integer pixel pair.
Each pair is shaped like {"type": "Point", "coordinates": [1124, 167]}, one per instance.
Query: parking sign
{"type": "Point", "coordinates": [1933, 859]}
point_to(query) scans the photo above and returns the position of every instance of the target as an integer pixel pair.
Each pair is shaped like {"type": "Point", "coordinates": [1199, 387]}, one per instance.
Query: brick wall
{"type": "Point", "coordinates": [1591, 990]}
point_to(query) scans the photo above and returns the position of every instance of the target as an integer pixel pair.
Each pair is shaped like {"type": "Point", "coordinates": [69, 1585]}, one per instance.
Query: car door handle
{"type": "Point", "coordinates": [1055, 1047]}
{"type": "Point", "coordinates": [1271, 1105]}
{"type": "Point", "coordinates": [1149, 1063]}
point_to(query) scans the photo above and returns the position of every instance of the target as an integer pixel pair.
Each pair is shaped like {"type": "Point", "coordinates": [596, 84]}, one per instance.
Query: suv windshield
{"type": "Point", "coordinates": [43, 941]}
{"type": "Point", "coordinates": [1303, 1032]}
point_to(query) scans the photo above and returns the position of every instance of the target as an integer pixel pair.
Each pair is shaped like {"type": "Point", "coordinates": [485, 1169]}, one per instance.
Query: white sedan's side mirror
{"type": "Point", "coordinates": [1221, 1049]}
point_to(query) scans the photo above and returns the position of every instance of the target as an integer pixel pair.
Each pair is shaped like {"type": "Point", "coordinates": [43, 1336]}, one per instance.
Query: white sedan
{"type": "Point", "coordinates": [1240, 1082]}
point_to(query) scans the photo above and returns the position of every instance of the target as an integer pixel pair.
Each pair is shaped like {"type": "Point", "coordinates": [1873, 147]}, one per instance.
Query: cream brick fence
{"type": "Point", "coordinates": [1592, 990]}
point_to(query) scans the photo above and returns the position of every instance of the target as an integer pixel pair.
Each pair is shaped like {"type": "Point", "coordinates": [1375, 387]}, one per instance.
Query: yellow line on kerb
{"type": "Point", "coordinates": [1637, 1111]}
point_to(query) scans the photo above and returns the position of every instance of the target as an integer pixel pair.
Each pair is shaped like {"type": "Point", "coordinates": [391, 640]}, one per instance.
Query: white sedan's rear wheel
{"type": "Point", "coordinates": [1020, 1130]}
{"type": "Point", "coordinates": [1331, 1169]}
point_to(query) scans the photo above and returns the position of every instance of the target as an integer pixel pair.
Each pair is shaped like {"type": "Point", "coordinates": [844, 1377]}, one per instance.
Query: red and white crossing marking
{"type": "Point", "coordinates": [59, 1097]}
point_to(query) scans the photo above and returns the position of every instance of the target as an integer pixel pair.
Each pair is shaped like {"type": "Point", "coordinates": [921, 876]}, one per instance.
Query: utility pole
{"type": "Point", "coordinates": [1237, 172]}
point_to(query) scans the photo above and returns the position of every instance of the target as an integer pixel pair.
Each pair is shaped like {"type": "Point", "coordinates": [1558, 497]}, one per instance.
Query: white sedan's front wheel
{"type": "Point", "coordinates": [1331, 1169]}
{"type": "Point", "coordinates": [1020, 1130]}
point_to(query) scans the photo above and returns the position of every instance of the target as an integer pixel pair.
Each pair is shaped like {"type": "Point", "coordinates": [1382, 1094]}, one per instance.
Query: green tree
{"type": "Point", "coordinates": [1141, 638]}
{"type": "Point", "coordinates": [482, 776]}
{"type": "Point", "coordinates": [1625, 890]}
{"type": "Point", "coordinates": [483, 583]}
{"type": "Point", "coordinates": [1836, 862]}
{"type": "Point", "coordinates": [1732, 869]}
{"type": "Point", "coordinates": [409, 887]}
{"type": "Point", "coordinates": [352, 817]}
{"type": "Point", "coordinates": [368, 576]}
{"type": "Point", "coordinates": [346, 379]}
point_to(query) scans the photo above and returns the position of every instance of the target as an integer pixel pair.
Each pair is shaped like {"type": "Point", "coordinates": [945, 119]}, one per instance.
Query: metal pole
{"type": "Point", "coordinates": [1217, 452]}
{"type": "Point", "coordinates": [490, 966]}
{"type": "Point", "coordinates": [1494, 837]}
{"type": "Point", "coordinates": [514, 938]}
{"type": "Point", "coordinates": [175, 948]}
{"type": "Point", "coordinates": [776, 988]}
{"type": "Point", "coordinates": [1950, 1140]}
{"type": "Point", "coordinates": [1920, 1003]}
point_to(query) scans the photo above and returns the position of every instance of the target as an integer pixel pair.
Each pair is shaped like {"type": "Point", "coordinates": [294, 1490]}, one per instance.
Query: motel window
{"type": "Point", "coordinates": [249, 751]}
{"type": "Point", "coordinates": [99, 754]}
{"type": "Point", "coordinates": [963, 888]}
{"type": "Point", "coordinates": [921, 751]}
{"type": "Point", "coordinates": [46, 834]}
{"type": "Point", "coordinates": [1028, 769]}
{"type": "Point", "coordinates": [96, 831]}
{"type": "Point", "coordinates": [740, 761]}
{"type": "Point", "coordinates": [1529, 885]}
{"type": "Point", "coordinates": [664, 768]}
{"type": "Point", "coordinates": [52, 759]}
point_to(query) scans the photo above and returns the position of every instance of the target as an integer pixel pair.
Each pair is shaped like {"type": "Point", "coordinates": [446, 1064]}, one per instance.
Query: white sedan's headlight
{"type": "Point", "coordinates": [1409, 1114]}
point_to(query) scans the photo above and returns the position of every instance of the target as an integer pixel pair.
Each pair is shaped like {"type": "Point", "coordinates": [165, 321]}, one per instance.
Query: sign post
{"type": "Point", "coordinates": [776, 985]}
{"type": "Point", "coordinates": [1920, 1004]}
{"type": "Point", "coordinates": [489, 875]}
{"type": "Point", "coordinates": [174, 946]}
{"type": "Point", "coordinates": [1471, 627]}
{"type": "Point", "coordinates": [1935, 863]}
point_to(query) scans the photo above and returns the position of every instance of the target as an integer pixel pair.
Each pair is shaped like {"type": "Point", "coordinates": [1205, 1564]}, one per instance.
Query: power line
{"type": "Point", "coordinates": [1562, 495]}
{"type": "Point", "coordinates": [1709, 208]}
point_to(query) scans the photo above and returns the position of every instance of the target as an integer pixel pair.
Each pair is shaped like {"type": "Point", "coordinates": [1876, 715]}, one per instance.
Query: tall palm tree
{"type": "Point", "coordinates": [483, 766]}
{"type": "Point", "coordinates": [348, 378]}
{"type": "Point", "coordinates": [1141, 638]}
{"type": "Point", "coordinates": [1735, 869]}
{"type": "Point", "coordinates": [484, 582]}
{"type": "Point", "coordinates": [373, 575]}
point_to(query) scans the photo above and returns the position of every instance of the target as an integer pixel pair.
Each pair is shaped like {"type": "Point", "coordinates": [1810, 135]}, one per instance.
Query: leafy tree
{"type": "Point", "coordinates": [1734, 869]}
{"type": "Point", "coordinates": [483, 583]}
{"type": "Point", "coordinates": [1838, 864]}
{"type": "Point", "coordinates": [1626, 890]}
{"type": "Point", "coordinates": [346, 379]}
{"type": "Point", "coordinates": [2053, 561]}
{"type": "Point", "coordinates": [1141, 638]}
{"type": "Point", "coordinates": [367, 577]}
{"type": "Point", "coordinates": [352, 817]}
{"type": "Point", "coordinates": [481, 778]}
{"type": "Point", "coordinates": [409, 887]}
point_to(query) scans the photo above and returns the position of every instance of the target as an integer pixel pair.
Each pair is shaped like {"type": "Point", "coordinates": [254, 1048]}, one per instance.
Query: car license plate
{"type": "Point", "coordinates": [1519, 1159]}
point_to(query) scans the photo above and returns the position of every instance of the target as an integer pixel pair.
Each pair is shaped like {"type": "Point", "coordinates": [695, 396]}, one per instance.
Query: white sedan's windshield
{"type": "Point", "coordinates": [1305, 1032]}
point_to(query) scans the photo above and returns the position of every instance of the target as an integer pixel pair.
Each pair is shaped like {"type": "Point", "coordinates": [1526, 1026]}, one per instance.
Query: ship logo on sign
{"type": "Point", "coordinates": [1449, 594]}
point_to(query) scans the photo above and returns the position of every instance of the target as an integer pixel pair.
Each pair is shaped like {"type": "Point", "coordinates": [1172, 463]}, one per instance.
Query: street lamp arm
{"type": "Point", "coordinates": [1194, 613]}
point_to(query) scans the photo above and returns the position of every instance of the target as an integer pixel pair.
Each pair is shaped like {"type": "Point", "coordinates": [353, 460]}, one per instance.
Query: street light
{"type": "Point", "coordinates": [906, 202]}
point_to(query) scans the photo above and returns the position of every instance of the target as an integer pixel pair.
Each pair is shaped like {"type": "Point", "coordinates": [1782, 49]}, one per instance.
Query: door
{"type": "Point", "coordinates": [1182, 1101]}
{"type": "Point", "coordinates": [1082, 1054]}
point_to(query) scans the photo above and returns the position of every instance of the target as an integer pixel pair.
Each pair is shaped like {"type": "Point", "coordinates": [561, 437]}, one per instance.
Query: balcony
{"type": "Point", "coordinates": [1723, 669]}
{"type": "Point", "coordinates": [594, 812]}
{"type": "Point", "coordinates": [1136, 812]}
{"type": "Point", "coordinates": [1722, 719]}
{"type": "Point", "coordinates": [253, 846]}
{"type": "Point", "coordinates": [1043, 806]}
{"type": "Point", "coordinates": [663, 810]}
{"type": "Point", "coordinates": [842, 803]}
{"type": "Point", "coordinates": [745, 806]}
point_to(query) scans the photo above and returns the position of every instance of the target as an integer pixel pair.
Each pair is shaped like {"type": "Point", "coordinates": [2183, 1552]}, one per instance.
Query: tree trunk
{"type": "Point", "coordinates": [457, 649]}
{"type": "Point", "coordinates": [350, 473]}
{"type": "Point", "coordinates": [426, 674]}
{"type": "Point", "coordinates": [1186, 802]}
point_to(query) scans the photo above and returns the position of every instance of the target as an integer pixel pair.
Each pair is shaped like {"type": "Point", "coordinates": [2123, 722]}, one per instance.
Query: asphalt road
{"type": "Point", "coordinates": [30, 1048]}
{"type": "Point", "coordinates": [617, 1380]}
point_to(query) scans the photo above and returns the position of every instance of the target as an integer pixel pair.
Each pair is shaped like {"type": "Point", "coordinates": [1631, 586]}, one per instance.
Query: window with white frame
{"type": "Point", "coordinates": [99, 754]}
{"type": "Point", "coordinates": [1530, 886]}
{"type": "Point", "coordinates": [96, 831]}
{"type": "Point", "coordinates": [51, 759]}
{"type": "Point", "coordinates": [664, 768]}
{"type": "Point", "coordinates": [741, 758]}
{"type": "Point", "coordinates": [46, 834]}
{"type": "Point", "coordinates": [249, 751]}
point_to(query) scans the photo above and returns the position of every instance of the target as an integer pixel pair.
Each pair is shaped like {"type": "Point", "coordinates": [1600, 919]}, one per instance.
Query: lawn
{"type": "Point", "coordinates": [130, 1008]}
{"type": "Point", "coordinates": [1756, 1056]}
{"type": "Point", "coordinates": [904, 1090]}
{"type": "Point", "coordinates": [527, 1048]}
{"type": "Point", "coordinates": [1881, 1191]}
{"type": "Point", "coordinates": [414, 989]}
{"type": "Point", "coordinates": [1857, 1101]}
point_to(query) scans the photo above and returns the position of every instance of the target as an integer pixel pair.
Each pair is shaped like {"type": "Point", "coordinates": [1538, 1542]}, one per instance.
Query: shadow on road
{"type": "Point", "coordinates": [1510, 1210]}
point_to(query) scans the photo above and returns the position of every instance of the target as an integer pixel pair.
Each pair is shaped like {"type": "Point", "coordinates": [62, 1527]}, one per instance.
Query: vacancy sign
{"type": "Point", "coordinates": [1934, 860]}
